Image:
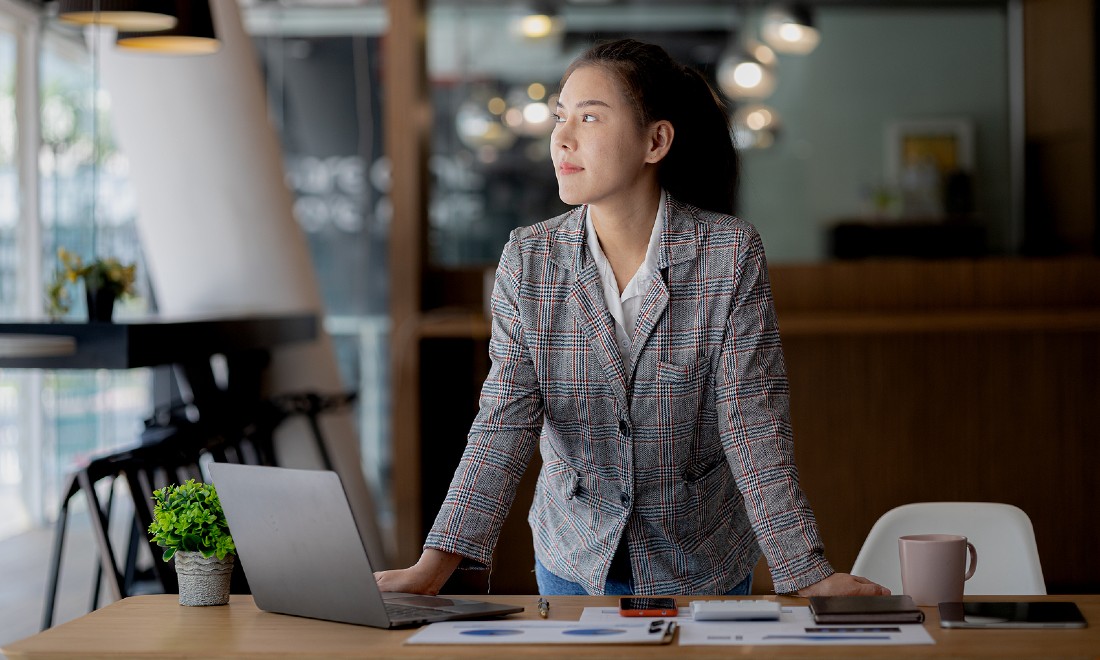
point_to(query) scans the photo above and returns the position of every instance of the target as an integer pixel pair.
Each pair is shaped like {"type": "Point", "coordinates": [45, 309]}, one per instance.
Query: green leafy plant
{"type": "Point", "coordinates": [189, 518]}
{"type": "Point", "coordinates": [108, 273]}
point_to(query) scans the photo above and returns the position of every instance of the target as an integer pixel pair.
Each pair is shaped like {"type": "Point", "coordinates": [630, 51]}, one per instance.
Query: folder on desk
{"type": "Point", "coordinates": [642, 631]}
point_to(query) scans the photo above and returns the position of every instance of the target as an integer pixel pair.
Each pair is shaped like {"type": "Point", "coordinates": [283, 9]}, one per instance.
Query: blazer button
{"type": "Point", "coordinates": [625, 499]}
{"type": "Point", "coordinates": [624, 428]}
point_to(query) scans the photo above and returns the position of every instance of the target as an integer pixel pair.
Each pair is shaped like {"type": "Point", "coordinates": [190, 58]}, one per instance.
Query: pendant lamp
{"type": "Point", "coordinates": [193, 33]}
{"type": "Point", "coordinates": [790, 29]}
{"type": "Point", "coordinates": [741, 75]}
{"type": "Point", "coordinates": [130, 15]}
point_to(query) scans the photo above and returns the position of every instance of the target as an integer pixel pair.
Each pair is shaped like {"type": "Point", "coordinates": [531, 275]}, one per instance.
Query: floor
{"type": "Point", "coordinates": [24, 569]}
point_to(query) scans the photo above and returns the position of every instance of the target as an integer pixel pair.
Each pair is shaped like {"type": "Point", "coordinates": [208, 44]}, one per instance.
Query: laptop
{"type": "Point", "coordinates": [303, 555]}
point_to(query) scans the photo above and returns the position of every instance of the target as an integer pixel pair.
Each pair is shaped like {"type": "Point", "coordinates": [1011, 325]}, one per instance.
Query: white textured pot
{"type": "Point", "coordinates": [202, 580]}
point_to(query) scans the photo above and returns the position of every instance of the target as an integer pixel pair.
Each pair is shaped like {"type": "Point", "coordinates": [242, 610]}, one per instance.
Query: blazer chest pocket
{"type": "Point", "coordinates": [679, 389]}
{"type": "Point", "coordinates": [669, 373]}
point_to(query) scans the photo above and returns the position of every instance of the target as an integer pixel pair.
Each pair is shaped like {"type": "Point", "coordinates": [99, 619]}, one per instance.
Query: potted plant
{"type": "Point", "coordinates": [189, 523]}
{"type": "Point", "coordinates": [105, 280]}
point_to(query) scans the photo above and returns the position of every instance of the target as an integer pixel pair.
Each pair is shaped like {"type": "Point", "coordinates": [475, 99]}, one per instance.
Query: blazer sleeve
{"type": "Point", "coordinates": [503, 437]}
{"type": "Point", "coordinates": [752, 397]}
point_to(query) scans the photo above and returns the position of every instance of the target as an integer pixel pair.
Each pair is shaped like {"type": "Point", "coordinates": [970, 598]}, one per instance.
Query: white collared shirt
{"type": "Point", "coordinates": [624, 307]}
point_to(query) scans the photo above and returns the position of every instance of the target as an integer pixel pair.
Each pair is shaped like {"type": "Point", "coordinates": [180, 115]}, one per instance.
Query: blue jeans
{"type": "Point", "coordinates": [552, 585]}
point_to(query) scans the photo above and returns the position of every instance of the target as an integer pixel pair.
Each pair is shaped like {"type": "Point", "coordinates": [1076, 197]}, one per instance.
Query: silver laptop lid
{"type": "Point", "coordinates": [316, 567]}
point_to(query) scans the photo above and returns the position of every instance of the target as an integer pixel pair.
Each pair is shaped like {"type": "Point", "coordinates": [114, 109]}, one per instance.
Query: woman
{"type": "Point", "coordinates": [635, 345]}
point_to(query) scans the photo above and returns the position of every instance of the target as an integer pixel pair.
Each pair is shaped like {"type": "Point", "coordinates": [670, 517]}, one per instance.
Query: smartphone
{"type": "Point", "coordinates": [643, 606]}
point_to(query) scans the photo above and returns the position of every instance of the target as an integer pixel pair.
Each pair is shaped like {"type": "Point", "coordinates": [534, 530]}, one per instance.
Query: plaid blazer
{"type": "Point", "coordinates": [687, 450]}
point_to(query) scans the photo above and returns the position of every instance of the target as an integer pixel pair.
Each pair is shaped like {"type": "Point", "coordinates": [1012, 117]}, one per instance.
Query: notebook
{"type": "Point", "coordinates": [865, 609]}
{"type": "Point", "coordinates": [302, 552]}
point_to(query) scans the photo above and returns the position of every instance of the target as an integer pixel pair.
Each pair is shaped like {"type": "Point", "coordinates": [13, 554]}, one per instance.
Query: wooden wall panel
{"type": "Point", "coordinates": [1060, 96]}
{"type": "Point", "coordinates": [881, 422]}
{"type": "Point", "coordinates": [950, 392]}
{"type": "Point", "coordinates": [407, 123]}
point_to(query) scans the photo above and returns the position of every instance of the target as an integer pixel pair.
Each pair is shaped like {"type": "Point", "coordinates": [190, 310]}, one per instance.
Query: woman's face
{"type": "Point", "coordinates": [599, 154]}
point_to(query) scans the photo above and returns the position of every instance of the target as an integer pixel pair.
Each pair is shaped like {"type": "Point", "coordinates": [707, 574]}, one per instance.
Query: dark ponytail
{"type": "Point", "coordinates": [702, 167]}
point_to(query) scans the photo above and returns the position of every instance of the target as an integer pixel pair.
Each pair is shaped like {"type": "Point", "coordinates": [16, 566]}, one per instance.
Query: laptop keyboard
{"type": "Point", "coordinates": [407, 612]}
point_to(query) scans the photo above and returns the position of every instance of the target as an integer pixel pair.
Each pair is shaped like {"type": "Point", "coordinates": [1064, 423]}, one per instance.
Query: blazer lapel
{"type": "Point", "coordinates": [678, 244]}
{"type": "Point", "coordinates": [587, 301]}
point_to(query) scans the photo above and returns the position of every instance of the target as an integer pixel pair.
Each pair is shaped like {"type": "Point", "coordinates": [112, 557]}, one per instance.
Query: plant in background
{"type": "Point", "coordinates": [189, 518]}
{"type": "Point", "coordinates": [107, 274]}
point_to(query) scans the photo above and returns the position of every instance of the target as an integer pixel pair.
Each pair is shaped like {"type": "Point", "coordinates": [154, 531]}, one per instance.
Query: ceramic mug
{"type": "Point", "coordinates": [933, 567]}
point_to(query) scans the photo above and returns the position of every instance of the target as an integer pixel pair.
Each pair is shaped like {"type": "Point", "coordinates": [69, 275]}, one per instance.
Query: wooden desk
{"type": "Point", "coordinates": [146, 626]}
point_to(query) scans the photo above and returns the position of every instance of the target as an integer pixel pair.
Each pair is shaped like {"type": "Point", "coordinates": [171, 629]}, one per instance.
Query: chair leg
{"type": "Point", "coordinates": [115, 584]}
{"type": "Point", "coordinates": [319, 438]}
{"type": "Point", "coordinates": [142, 484]}
{"type": "Point", "coordinates": [99, 565]}
{"type": "Point", "coordinates": [55, 558]}
{"type": "Point", "coordinates": [132, 555]}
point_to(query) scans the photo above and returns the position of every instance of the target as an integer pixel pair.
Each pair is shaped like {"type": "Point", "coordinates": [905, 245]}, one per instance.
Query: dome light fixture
{"type": "Point", "coordinates": [538, 21]}
{"type": "Point", "coordinates": [479, 124]}
{"type": "Point", "coordinates": [790, 29]}
{"type": "Point", "coordinates": [193, 33]}
{"type": "Point", "coordinates": [742, 76]}
{"type": "Point", "coordinates": [754, 126]}
{"type": "Point", "coordinates": [129, 15]}
{"type": "Point", "coordinates": [756, 117]}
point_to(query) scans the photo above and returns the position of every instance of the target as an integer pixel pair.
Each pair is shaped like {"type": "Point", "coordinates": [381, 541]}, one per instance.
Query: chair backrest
{"type": "Point", "coordinates": [1008, 560]}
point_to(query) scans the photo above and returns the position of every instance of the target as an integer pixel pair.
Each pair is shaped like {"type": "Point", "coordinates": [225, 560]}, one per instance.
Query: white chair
{"type": "Point", "coordinates": [1008, 560]}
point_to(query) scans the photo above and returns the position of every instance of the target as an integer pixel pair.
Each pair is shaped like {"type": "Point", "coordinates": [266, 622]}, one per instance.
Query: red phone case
{"type": "Point", "coordinates": [649, 612]}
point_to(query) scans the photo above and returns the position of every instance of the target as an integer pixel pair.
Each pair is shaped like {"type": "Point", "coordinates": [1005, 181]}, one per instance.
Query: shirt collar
{"type": "Point", "coordinates": [640, 280]}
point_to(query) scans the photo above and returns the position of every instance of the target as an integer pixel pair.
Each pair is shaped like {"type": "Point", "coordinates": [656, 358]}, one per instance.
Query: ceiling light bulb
{"type": "Point", "coordinates": [536, 26]}
{"type": "Point", "coordinates": [762, 53]}
{"type": "Point", "coordinates": [741, 76]}
{"type": "Point", "coordinates": [748, 74]}
{"type": "Point", "coordinates": [754, 126]}
{"type": "Point", "coordinates": [535, 113]}
{"type": "Point", "coordinates": [790, 30]}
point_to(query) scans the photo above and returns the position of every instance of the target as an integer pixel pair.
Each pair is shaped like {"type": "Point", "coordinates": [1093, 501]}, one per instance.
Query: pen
{"type": "Point", "coordinates": [826, 638]}
{"type": "Point", "coordinates": [544, 608]}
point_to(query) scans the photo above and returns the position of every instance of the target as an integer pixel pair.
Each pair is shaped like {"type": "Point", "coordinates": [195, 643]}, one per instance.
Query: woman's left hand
{"type": "Point", "coordinates": [843, 584]}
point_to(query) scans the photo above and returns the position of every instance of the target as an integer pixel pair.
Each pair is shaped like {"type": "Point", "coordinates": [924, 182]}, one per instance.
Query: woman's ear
{"type": "Point", "coordinates": [660, 140]}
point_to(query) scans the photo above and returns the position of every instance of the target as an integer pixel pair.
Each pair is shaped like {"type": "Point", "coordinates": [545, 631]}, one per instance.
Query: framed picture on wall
{"type": "Point", "coordinates": [931, 162]}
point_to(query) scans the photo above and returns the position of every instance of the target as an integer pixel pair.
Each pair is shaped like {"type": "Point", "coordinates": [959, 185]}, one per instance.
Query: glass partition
{"type": "Point", "coordinates": [896, 117]}
{"type": "Point", "coordinates": [322, 69]}
{"type": "Point", "coordinates": [52, 421]}
{"type": "Point", "coordinates": [87, 206]}
{"type": "Point", "coordinates": [11, 473]}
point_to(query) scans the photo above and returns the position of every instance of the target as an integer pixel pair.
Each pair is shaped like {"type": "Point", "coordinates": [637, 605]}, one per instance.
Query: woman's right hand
{"type": "Point", "coordinates": [426, 576]}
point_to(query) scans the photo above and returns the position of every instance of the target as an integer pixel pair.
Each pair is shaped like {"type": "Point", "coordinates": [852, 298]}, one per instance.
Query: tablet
{"type": "Point", "coordinates": [1011, 614]}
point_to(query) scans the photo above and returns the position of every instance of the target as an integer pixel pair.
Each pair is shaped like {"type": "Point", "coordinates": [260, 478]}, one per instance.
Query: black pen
{"type": "Point", "coordinates": [544, 608]}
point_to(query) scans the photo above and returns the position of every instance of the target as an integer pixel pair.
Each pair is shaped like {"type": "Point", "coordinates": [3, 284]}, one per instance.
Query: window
{"type": "Point", "coordinates": [10, 467]}
{"type": "Point", "coordinates": [50, 421]}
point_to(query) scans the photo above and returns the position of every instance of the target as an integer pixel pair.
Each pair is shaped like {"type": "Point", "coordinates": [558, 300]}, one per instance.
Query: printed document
{"type": "Point", "coordinates": [621, 631]}
{"type": "Point", "coordinates": [795, 627]}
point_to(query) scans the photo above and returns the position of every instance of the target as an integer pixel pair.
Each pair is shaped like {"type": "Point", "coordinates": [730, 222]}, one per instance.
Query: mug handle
{"type": "Point", "coordinates": [973, 561]}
